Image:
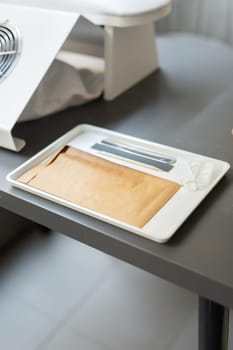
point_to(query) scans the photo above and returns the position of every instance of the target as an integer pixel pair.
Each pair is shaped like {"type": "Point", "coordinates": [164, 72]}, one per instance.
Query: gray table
{"type": "Point", "coordinates": [187, 104]}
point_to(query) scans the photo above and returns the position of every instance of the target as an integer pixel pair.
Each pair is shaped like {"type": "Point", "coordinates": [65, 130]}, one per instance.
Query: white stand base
{"type": "Point", "coordinates": [10, 142]}
{"type": "Point", "coordinates": [130, 55]}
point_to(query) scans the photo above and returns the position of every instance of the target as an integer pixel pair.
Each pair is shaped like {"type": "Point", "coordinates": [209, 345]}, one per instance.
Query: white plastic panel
{"type": "Point", "coordinates": [43, 33]}
{"type": "Point", "coordinates": [108, 12]}
{"type": "Point", "coordinates": [115, 8]}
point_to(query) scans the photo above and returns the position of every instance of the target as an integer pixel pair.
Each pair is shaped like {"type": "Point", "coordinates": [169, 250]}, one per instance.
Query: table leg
{"type": "Point", "coordinates": [213, 325]}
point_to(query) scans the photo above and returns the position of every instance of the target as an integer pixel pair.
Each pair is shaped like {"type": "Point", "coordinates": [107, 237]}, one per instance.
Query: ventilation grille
{"type": "Point", "coordinates": [10, 45]}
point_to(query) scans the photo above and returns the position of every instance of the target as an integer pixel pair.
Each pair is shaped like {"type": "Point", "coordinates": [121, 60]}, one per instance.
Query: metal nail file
{"type": "Point", "coordinates": [158, 157]}
{"type": "Point", "coordinates": [131, 156]}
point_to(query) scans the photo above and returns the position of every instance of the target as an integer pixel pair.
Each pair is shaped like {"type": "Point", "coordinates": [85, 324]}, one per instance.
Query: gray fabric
{"type": "Point", "coordinates": [209, 17]}
{"type": "Point", "coordinates": [63, 86]}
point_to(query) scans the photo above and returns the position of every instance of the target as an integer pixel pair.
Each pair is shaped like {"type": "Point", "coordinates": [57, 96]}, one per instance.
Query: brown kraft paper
{"type": "Point", "coordinates": [92, 182]}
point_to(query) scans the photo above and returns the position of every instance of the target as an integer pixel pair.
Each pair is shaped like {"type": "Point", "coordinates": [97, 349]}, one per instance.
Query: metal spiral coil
{"type": "Point", "coordinates": [10, 46]}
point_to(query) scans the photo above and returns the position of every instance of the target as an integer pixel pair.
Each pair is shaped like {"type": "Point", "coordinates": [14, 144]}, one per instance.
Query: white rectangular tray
{"type": "Point", "coordinates": [171, 216]}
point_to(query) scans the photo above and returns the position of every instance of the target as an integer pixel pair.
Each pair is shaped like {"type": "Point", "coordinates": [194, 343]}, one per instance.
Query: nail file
{"type": "Point", "coordinates": [140, 152]}
{"type": "Point", "coordinates": [133, 157]}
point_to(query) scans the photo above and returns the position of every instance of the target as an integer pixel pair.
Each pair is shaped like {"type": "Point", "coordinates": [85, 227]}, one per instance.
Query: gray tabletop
{"type": "Point", "coordinates": [187, 104]}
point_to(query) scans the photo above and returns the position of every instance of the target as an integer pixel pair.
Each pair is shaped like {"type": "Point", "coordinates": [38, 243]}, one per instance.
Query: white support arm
{"type": "Point", "coordinates": [130, 56]}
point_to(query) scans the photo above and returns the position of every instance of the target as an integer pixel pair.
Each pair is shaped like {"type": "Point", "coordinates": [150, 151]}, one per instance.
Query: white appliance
{"type": "Point", "coordinates": [31, 37]}
{"type": "Point", "coordinates": [37, 36]}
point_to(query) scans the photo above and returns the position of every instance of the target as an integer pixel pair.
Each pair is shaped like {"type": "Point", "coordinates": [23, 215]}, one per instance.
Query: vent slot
{"type": "Point", "coordinates": [10, 46]}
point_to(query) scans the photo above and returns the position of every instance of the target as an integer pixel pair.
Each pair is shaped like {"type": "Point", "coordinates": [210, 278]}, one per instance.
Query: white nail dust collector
{"type": "Point", "coordinates": [31, 37]}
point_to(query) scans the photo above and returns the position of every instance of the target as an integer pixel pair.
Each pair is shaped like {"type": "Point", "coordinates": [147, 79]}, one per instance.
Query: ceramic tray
{"type": "Point", "coordinates": [176, 165]}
